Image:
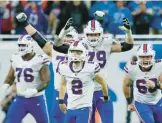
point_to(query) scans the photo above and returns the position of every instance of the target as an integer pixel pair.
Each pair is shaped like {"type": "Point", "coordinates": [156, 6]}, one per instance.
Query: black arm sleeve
{"type": "Point", "coordinates": [39, 39]}
{"type": "Point", "coordinates": [62, 49]}
{"type": "Point", "coordinates": [126, 46]}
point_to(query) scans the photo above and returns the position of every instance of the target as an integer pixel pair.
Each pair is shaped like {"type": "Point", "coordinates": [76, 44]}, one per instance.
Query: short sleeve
{"type": "Point", "coordinates": [12, 61]}
{"type": "Point", "coordinates": [46, 61]}
{"type": "Point", "coordinates": [43, 60]}
{"type": "Point", "coordinates": [96, 69]}
{"type": "Point", "coordinates": [129, 69]}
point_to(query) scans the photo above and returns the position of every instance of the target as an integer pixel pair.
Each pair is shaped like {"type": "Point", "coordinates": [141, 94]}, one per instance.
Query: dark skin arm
{"type": "Point", "coordinates": [45, 78]}
{"type": "Point", "coordinates": [10, 77]}
{"type": "Point", "coordinates": [8, 99]}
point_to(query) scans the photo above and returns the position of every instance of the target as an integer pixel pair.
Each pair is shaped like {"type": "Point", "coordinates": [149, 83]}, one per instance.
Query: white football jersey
{"type": "Point", "coordinates": [100, 54]}
{"type": "Point", "coordinates": [141, 93]}
{"type": "Point", "coordinates": [80, 85]}
{"type": "Point", "coordinates": [56, 58]}
{"type": "Point", "coordinates": [27, 72]}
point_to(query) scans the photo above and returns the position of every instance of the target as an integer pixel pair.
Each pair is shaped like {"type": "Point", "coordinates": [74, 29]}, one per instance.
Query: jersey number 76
{"type": "Point", "coordinates": [26, 74]}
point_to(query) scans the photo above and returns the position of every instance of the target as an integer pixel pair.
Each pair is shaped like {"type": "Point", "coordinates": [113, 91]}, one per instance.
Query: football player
{"type": "Point", "coordinates": [68, 35]}
{"type": "Point", "coordinates": [31, 73]}
{"type": "Point", "coordinates": [57, 115]}
{"type": "Point", "coordinates": [146, 77]}
{"type": "Point", "coordinates": [100, 49]}
{"type": "Point", "coordinates": [77, 78]}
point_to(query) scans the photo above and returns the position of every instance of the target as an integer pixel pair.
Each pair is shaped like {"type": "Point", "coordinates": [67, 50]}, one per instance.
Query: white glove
{"type": "Point", "coordinates": [28, 93]}
{"type": "Point", "coordinates": [3, 89]}
{"type": "Point", "coordinates": [2, 116]}
{"type": "Point", "coordinates": [67, 28]}
{"type": "Point", "coordinates": [99, 14]}
{"type": "Point", "coordinates": [126, 28]}
{"type": "Point", "coordinates": [21, 17]}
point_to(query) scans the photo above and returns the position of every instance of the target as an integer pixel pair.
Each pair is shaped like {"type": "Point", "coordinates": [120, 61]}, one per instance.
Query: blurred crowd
{"type": "Point", "coordinates": [50, 16]}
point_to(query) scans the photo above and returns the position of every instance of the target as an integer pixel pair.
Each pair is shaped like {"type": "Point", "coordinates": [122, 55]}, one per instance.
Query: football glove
{"type": "Point", "coordinates": [126, 28]}
{"type": "Point", "coordinates": [67, 28]}
{"type": "Point", "coordinates": [99, 16]}
{"type": "Point", "coordinates": [126, 25]}
{"type": "Point", "coordinates": [3, 90]}
{"type": "Point", "coordinates": [2, 116]}
{"type": "Point", "coordinates": [22, 19]}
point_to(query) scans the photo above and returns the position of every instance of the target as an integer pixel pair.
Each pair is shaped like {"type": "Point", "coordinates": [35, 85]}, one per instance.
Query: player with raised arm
{"type": "Point", "coordinates": [31, 73]}
{"type": "Point", "coordinates": [77, 78]}
{"type": "Point", "coordinates": [67, 35]}
{"type": "Point", "coordinates": [100, 49]}
{"type": "Point", "coordinates": [42, 41]}
{"type": "Point", "coordinates": [146, 77]}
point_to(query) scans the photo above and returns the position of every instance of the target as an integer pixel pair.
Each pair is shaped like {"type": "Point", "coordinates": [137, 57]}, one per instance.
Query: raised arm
{"type": "Point", "coordinates": [42, 41]}
{"type": "Point", "coordinates": [128, 44]}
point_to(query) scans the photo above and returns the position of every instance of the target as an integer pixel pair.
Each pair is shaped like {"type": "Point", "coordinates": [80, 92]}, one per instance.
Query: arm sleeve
{"type": "Point", "coordinates": [62, 49]}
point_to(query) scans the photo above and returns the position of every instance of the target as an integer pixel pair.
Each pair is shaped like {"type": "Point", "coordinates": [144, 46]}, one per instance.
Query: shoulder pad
{"type": "Point", "coordinates": [13, 56]}
{"type": "Point", "coordinates": [158, 60]}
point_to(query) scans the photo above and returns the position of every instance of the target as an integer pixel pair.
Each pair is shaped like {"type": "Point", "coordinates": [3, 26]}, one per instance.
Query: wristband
{"type": "Point", "coordinates": [61, 101]}
{"type": "Point", "coordinates": [129, 100]}
{"type": "Point", "coordinates": [24, 24]}
{"type": "Point", "coordinates": [106, 98]}
{"type": "Point", "coordinates": [157, 85]}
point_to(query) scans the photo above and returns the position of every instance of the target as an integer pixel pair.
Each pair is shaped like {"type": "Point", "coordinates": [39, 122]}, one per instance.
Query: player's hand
{"type": "Point", "coordinates": [126, 25]}
{"type": "Point", "coordinates": [2, 116]}
{"type": "Point", "coordinates": [30, 93]}
{"type": "Point", "coordinates": [105, 100]}
{"type": "Point", "coordinates": [63, 108]}
{"type": "Point", "coordinates": [22, 19]}
{"type": "Point", "coordinates": [150, 84]}
{"type": "Point", "coordinates": [99, 15]}
{"type": "Point", "coordinates": [3, 89]}
{"type": "Point", "coordinates": [67, 28]}
{"type": "Point", "coordinates": [131, 107]}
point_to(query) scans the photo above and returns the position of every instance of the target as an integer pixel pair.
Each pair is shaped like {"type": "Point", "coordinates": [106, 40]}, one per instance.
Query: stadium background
{"type": "Point", "coordinates": [146, 25]}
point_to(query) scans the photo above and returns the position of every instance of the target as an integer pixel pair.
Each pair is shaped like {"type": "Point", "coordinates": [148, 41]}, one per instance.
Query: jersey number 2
{"type": "Point", "coordinates": [77, 86]}
{"type": "Point", "coordinates": [26, 74]}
